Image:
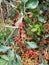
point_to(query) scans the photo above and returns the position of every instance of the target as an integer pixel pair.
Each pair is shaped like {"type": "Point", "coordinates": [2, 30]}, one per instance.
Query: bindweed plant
{"type": "Point", "coordinates": [24, 32]}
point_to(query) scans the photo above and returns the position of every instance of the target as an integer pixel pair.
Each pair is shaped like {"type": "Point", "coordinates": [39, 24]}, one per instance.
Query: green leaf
{"type": "Point", "coordinates": [46, 35]}
{"type": "Point", "coordinates": [13, 13]}
{"type": "Point", "coordinates": [43, 63]}
{"type": "Point", "coordinates": [10, 63]}
{"type": "Point", "coordinates": [18, 57]}
{"type": "Point", "coordinates": [5, 57]}
{"type": "Point", "coordinates": [40, 18]}
{"type": "Point", "coordinates": [43, 7]}
{"type": "Point", "coordinates": [27, 20]}
{"type": "Point", "coordinates": [32, 4]}
{"type": "Point", "coordinates": [15, 62]}
{"type": "Point", "coordinates": [37, 26]}
{"type": "Point", "coordinates": [8, 20]}
{"type": "Point", "coordinates": [4, 48]}
{"type": "Point", "coordinates": [2, 62]}
{"type": "Point", "coordinates": [39, 31]}
{"type": "Point", "coordinates": [31, 45]}
{"type": "Point", "coordinates": [24, 1]}
{"type": "Point", "coordinates": [34, 29]}
{"type": "Point", "coordinates": [11, 54]}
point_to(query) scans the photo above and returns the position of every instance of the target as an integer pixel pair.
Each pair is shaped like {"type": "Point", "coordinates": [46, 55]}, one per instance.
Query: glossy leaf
{"type": "Point", "coordinates": [5, 57]}
{"type": "Point", "coordinates": [4, 49]}
{"type": "Point", "coordinates": [32, 4]}
{"type": "Point", "coordinates": [31, 45]}
{"type": "Point", "coordinates": [40, 18]}
{"type": "Point", "coordinates": [18, 57]}
{"type": "Point", "coordinates": [11, 54]}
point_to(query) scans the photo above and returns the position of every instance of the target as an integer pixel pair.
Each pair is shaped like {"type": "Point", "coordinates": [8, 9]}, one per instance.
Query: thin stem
{"type": "Point", "coordinates": [9, 36]}
{"type": "Point", "coordinates": [24, 8]}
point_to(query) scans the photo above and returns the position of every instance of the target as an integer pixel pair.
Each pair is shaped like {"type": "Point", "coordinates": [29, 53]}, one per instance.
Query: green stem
{"type": "Point", "coordinates": [24, 8]}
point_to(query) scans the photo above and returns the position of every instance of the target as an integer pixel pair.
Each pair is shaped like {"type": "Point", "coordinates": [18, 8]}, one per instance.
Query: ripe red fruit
{"type": "Point", "coordinates": [29, 52]}
{"type": "Point", "coordinates": [43, 51]}
{"type": "Point", "coordinates": [16, 39]}
{"type": "Point", "coordinates": [22, 31]}
{"type": "Point", "coordinates": [21, 25]}
{"type": "Point", "coordinates": [43, 41]}
{"type": "Point", "coordinates": [35, 54]}
{"type": "Point", "coordinates": [23, 35]}
{"type": "Point", "coordinates": [17, 16]}
{"type": "Point", "coordinates": [20, 40]}
{"type": "Point", "coordinates": [45, 56]}
{"type": "Point", "coordinates": [23, 56]}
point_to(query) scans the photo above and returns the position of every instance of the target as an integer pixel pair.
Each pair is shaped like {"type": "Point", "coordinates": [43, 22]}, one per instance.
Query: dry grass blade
{"type": "Point", "coordinates": [17, 25]}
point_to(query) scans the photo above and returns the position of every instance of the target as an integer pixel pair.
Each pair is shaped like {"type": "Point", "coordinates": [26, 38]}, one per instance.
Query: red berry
{"type": "Point", "coordinates": [16, 39]}
{"type": "Point", "coordinates": [22, 31]}
{"type": "Point", "coordinates": [17, 16]}
{"type": "Point", "coordinates": [45, 56]}
{"type": "Point", "coordinates": [30, 52]}
{"type": "Point", "coordinates": [23, 35]}
{"type": "Point", "coordinates": [44, 41]}
{"type": "Point", "coordinates": [35, 54]}
{"type": "Point", "coordinates": [27, 53]}
{"type": "Point", "coordinates": [21, 25]}
{"type": "Point", "coordinates": [20, 40]}
{"type": "Point", "coordinates": [43, 51]}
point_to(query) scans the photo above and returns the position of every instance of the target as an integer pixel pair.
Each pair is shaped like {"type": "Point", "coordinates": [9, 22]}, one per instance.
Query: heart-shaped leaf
{"type": "Point", "coordinates": [32, 4]}
{"type": "Point", "coordinates": [5, 57]}
{"type": "Point", "coordinates": [4, 48]}
{"type": "Point", "coordinates": [40, 18]}
{"type": "Point", "coordinates": [31, 45]}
